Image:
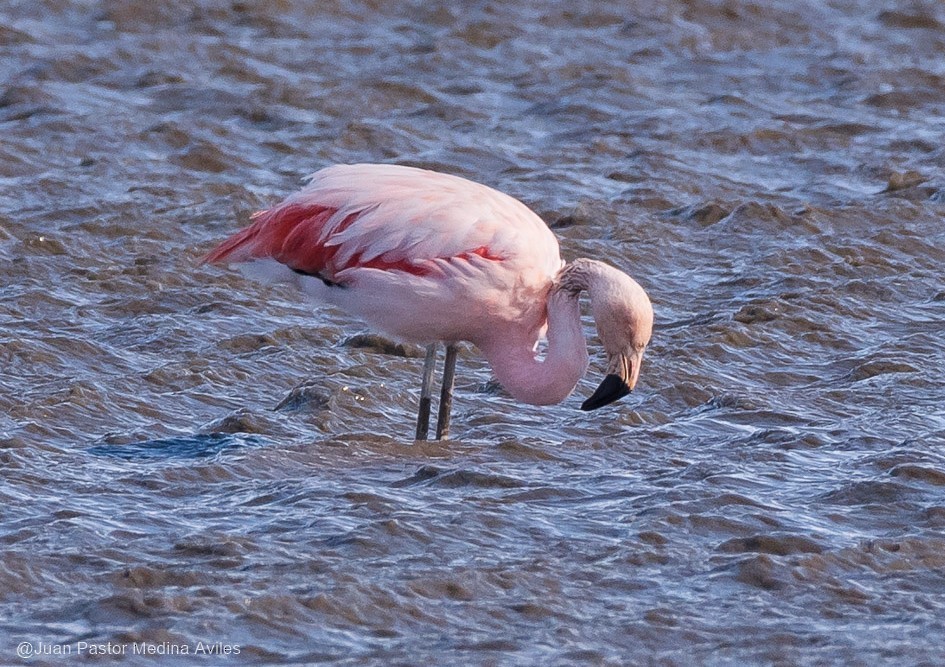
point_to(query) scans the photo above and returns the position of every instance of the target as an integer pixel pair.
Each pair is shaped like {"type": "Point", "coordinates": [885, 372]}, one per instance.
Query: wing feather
{"type": "Point", "coordinates": [394, 218]}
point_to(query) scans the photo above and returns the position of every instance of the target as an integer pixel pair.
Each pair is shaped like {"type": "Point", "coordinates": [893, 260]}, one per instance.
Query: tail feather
{"type": "Point", "coordinates": [288, 233]}
{"type": "Point", "coordinates": [237, 248]}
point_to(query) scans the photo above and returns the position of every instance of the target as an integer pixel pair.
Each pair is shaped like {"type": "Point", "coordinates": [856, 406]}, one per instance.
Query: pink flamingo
{"type": "Point", "coordinates": [428, 257]}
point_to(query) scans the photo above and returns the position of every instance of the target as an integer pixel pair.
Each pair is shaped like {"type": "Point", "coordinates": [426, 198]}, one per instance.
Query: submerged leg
{"type": "Point", "coordinates": [426, 389]}
{"type": "Point", "coordinates": [446, 393]}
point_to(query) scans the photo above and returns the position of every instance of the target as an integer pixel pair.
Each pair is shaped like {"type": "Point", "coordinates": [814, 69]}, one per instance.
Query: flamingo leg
{"type": "Point", "coordinates": [446, 393]}
{"type": "Point", "coordinates": [426, 389]}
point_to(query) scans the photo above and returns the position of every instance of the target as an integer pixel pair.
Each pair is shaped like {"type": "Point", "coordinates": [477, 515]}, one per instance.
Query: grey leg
{"type": "Point", "coordinates": [426, 389]}
{"type": "Point", "coordinates": [446, 394]}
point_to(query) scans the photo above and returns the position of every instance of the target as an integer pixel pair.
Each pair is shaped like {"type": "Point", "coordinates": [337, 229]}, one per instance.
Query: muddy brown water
{"type": "Point", "coordinates": [188, 457]}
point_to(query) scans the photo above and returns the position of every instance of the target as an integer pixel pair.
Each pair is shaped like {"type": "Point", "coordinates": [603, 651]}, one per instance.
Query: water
{"type": "Point", "coordinates": [189, 457]}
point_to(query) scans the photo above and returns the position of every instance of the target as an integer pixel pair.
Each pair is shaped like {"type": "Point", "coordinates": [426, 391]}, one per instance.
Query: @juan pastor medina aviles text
{"type": "Point", "coordinates": [30, 649]}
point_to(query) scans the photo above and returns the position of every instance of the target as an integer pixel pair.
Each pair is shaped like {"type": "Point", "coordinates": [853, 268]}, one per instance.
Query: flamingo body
{"type": "Point", "coordinates": [420, 255]}
{"type": "Point", "coordinates": [428, 257]}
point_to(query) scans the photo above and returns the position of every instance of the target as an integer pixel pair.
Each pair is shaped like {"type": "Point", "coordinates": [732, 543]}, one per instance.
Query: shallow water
{"type": "Point", "coordinates": [189, 457]}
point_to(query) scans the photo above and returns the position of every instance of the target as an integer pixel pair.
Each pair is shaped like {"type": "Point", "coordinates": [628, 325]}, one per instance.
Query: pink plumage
{"type": "Point", "coordinates": [428, 257]}
{"type": "Point", "coordinates": [409, 245]}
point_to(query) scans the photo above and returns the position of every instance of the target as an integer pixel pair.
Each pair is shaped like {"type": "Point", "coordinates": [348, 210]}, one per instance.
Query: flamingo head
{"type": "Point", "coordinates": [624, 318]}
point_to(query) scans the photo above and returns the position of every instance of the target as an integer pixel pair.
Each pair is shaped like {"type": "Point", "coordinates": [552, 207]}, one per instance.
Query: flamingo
{"type": "Point", "coordinates": [430, 258]}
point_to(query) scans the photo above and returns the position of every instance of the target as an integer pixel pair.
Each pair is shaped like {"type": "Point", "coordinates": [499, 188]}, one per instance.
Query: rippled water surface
{"type": "Point", "coordinates": [190, 457]}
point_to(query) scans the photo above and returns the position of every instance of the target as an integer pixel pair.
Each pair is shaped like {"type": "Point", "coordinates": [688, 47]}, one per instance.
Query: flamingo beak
{"type": "Point", "coordinates": [622, 374]}
{"type": "Point", "coordinates": [613, 388]}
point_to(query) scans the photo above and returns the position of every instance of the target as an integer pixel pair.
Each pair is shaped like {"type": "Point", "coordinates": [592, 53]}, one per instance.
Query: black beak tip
{"type": "Point", "coordinates": [613, 388]}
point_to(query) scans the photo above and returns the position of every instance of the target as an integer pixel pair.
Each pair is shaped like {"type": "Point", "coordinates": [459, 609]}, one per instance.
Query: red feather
{"type": "Point", "coordinates": [293, 235]}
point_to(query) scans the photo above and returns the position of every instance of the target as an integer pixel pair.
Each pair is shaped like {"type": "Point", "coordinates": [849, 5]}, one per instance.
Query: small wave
{"type": "Point", "coordinates": [200, 446]}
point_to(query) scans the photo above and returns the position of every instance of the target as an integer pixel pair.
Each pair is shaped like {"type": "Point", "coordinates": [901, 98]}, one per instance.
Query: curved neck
{"type": "Point", "coordinates": [622, 313]}
{"type": "Point", "coordinates": [552, 379]}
